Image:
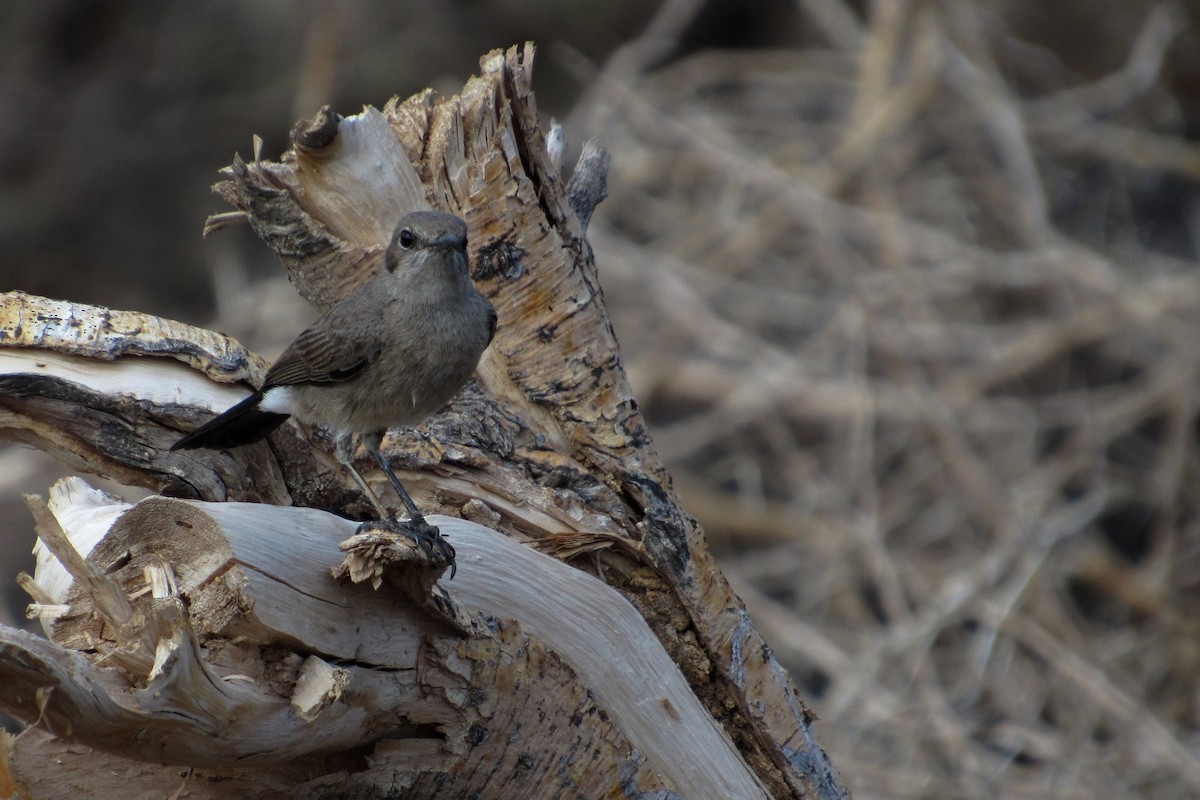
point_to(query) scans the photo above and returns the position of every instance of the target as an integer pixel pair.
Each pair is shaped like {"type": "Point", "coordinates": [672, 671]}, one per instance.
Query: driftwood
{"type": "Point", "coordinates": [234, 636]}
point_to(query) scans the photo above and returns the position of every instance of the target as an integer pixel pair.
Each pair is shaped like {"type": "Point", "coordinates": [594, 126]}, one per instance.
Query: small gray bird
{"type": "Point", "coordinates": [390, 353]}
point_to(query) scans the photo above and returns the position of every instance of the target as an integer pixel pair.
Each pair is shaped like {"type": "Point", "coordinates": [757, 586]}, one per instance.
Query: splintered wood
{"type": "Point", "coordinates": [413, 680]}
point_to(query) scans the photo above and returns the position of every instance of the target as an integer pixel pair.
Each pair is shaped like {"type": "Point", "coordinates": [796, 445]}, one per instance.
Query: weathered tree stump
{"type": "Point", "coordinates": [219, 635]}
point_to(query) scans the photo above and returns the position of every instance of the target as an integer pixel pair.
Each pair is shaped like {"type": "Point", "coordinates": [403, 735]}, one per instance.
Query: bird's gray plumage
{"type": "Point", "coordinates": [390, 353]}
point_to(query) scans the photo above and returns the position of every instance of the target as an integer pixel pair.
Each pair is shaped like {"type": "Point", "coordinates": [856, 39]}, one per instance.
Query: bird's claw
{"type": "Point", "coordinates": [425, 536]}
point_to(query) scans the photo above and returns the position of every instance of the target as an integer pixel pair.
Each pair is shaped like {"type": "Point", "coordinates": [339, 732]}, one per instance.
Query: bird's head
{"type": "Point", "coordinates": [428, 247]}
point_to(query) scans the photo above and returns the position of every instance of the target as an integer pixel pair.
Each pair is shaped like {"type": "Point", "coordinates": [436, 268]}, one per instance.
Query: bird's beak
{"type": "Point", "coordinates": [450, 240]}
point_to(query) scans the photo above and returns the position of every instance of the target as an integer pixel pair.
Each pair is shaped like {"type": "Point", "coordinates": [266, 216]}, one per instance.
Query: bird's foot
{"type": "Point", "coordinates": [425, 536]}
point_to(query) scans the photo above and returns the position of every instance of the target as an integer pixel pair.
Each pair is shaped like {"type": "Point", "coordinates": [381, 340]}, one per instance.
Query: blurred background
{"type": "Point", "coordinates": [908, 291]}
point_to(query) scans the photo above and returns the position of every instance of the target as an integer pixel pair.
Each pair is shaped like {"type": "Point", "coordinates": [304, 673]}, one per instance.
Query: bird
{"type": "Point", "coordinates": [389, 354]}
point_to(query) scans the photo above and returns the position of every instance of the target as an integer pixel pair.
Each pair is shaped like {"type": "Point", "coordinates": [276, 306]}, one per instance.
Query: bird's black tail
{"type": "Point", "coordinates": [245, 423]}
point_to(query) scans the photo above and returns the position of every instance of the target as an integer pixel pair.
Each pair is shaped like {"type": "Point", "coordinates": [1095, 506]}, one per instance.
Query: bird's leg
{"type": "Point", "coordinates": [426, 535]}
{"type": "Point", "coordinates": [345, 456]}
{"type": "Point", "coordinates": [371, 443]}
{"type": "Point", "coordinates": [414, 513]}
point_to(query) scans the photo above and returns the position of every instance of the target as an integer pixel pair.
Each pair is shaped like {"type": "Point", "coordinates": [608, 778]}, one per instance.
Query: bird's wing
{"type": "Point", "coordinates": [319, 355]}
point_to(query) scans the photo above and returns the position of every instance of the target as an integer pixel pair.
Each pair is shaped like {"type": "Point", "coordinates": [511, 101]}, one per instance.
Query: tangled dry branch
{"type": "Point", "coordinates": [914, 318]}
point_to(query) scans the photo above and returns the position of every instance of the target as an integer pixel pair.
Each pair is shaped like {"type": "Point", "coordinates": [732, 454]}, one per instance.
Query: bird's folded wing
{"type": "Point", "coordinates": [321, 355]}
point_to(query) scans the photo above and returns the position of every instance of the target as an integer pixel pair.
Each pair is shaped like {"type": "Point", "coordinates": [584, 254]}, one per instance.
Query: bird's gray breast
{"type": "Point", "coordinates": [420, 370]}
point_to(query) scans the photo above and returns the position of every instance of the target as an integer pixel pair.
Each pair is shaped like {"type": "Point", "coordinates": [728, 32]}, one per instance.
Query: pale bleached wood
{"type": "Point", "coordinates": [360, 177]}
{"type": "Point", "coordinates": [185, 714]}
{"type": "Point", "coordinates": [105, 393]}
{"type": "Point", "coordinates": [615, 652]}
{"type": "Point", "coordinates": [132, 378]}
{"type": "Point", "coordinates": [351, 176]}
{"type": "Point", "coordinates": [273, 550]}
{"type": "Point", "coordinates": [58, 326]}
{"type": "Point", "coordinates": [317, 686]}
{"type": "Point", "coordinates": [88, 513]}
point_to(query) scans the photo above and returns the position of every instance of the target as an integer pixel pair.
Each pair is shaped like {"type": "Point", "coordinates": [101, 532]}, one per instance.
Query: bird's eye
{"type": "Point", "coordinates": [407, 239]}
